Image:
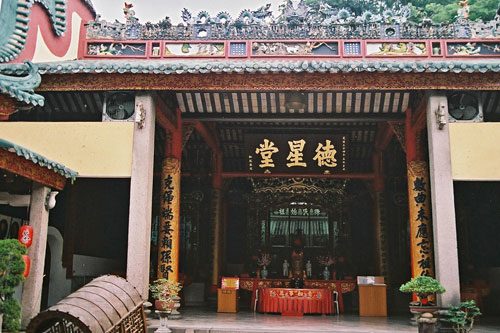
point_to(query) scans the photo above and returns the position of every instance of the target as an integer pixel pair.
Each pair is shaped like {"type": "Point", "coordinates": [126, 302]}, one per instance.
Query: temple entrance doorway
{"type": "Point", "coordinates": [334, 213]}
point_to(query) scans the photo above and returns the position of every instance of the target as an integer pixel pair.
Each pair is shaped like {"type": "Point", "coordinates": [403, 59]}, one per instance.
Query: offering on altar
{"type": "Point", "coordinates": [296, 283]}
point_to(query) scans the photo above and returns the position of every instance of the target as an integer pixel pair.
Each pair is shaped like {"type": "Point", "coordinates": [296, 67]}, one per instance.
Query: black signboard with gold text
{"type": "Point", "coordinates": [296, 153]}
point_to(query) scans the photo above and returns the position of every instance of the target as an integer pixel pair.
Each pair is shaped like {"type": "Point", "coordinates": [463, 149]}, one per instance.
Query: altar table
{"type": "Point", "coordinates": [297, 301]}
{"type": "Point", "coordinates": [341, 286]}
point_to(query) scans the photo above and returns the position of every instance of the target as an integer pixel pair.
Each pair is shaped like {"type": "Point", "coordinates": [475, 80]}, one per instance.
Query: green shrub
{"type": "Point", "coordinates": [165, 290]}
{"type": "Point", "coordinates": [462, 316]}
{"type": "Point", "coordinates": [423, 286]}
{"type": "Point", "coordinates": [11, 275]}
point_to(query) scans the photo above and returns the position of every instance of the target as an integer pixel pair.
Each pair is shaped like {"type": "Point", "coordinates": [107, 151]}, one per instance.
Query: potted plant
{"type": "Point", "coordinates": [462, 316]}
{"type": "Point", "coordinates": [11, 275]}
{"type": "Point", "coordinates": [423, 286]}
{"type": "Point", "coordinates": [165, 292]}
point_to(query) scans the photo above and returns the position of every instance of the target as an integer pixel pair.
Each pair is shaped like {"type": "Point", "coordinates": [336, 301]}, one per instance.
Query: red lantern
{"type": "Point", "coordinates": [26, 235]}
{"type": "Point", "coordinates": [27, 263]}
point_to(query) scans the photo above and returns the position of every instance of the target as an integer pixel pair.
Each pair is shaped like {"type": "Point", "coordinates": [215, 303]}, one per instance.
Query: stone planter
{"type": "Point", "coordinates": [418, 310]}
{"type": "Point", "coordinates": [161, 305]}
{"type": "Point", "coordinates": [427, 323]}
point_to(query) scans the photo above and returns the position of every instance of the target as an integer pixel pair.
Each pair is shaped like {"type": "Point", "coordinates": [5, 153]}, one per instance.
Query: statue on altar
{"type": "Point", "coordinates": [298, 255]}
{"type": "Point", "coordinates": [326, 274]}
{"type": "Point", "coordinates": [286, 266]}
{"type": "Point", "coordinates": [308, 268]}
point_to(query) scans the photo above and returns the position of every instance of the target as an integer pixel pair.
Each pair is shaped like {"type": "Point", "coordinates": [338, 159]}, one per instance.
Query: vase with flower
{"type": "Point", "coordinates": [325, 261]}
{"type": "Point", "coordinates": [263, 262]}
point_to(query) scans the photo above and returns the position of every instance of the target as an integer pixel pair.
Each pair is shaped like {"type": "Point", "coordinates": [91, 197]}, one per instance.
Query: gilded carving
{"type": "Point", "coordinates": [282, 81]}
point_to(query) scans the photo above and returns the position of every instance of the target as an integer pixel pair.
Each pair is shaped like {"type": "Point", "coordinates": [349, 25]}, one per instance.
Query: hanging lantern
{"type": "Point", "coordinates": [26, 235]}
{"type": "Point", "coordinates": [27, 263]}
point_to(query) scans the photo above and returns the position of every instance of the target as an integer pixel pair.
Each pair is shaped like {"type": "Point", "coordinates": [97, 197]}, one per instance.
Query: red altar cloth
{"type": "Point", "coordinates": [342, 286]}
{"type": "Point", "coordinates": [285, 300]}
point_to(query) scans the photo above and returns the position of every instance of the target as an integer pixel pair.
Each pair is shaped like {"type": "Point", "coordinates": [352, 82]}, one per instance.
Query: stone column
{"type": "Point", "coordinates": [32, 287]}
{"type": "Point", "coordinates": [168, 235]}
{"type": "Point", "coordinates": [141, 193]}
{"type": "Point", "coordinates": [443, 204]}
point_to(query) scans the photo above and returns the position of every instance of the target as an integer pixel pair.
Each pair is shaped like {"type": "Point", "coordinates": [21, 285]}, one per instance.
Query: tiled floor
{"type": "Point", "coordinates": [208, 321]}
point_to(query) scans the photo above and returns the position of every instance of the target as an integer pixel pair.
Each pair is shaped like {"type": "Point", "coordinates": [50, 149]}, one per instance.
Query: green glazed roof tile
{"type": "Point", "coordinates": [38, 159]}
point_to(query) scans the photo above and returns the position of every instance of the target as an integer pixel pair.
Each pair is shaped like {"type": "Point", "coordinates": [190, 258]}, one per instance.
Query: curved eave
{"type": "Point", "coordinates": [21, 82]}
{"type": "Point", "coordinates": [191, 66]}
{"type": "Point", "coordinates": [38, 159]}
{"type": "Point", "coordinates": [90, 6]}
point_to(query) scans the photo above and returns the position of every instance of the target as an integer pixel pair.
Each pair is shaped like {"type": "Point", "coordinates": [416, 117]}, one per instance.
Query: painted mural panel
{"type": "Point", "coordinates": [294, 49]}
{"type": "Point", "coordinates": [194, 50]}
{"type": "Point", "coordinates": [473, 48]}
{"type": "Point", "coordinates": [396, 49]}
{"type": "Point", "coordinates": [116, 49]}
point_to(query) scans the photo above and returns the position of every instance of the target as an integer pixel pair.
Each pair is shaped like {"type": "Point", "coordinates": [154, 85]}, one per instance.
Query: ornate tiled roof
{"type": "Point", "coordinates": [318, 21]}
{"type": "Point", "coordinates": [38, 159]}
{"type": "Point", "coordinates": [90, 6]}
{"type": "Point", "coordinates": [20, 84]}
{"type": "Point", "coordinates": [14, 16]}
{"type": "Point", "coordinates": [257, 66]}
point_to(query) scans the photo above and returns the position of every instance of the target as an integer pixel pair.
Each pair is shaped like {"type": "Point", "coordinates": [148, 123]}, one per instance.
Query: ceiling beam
{"type": "Point", "coordinates": [307, 118]}
{"type": "Point", "coordinates": [168, 123]}
{"type": "Point", "coordinates": [208, 134]}
{"type": "Point", "coordinates": [384, 136]}
{"type": "Point", "coordinates": [303, 175]}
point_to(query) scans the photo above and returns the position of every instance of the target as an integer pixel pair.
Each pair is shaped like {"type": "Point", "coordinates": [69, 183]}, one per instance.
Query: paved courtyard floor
{"type": "Point", "coordinates": [196, 320]}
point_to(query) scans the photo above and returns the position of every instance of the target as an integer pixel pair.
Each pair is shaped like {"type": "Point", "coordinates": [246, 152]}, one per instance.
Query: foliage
{"type": "Point", "coordinates": [165, 290]}
{"type": "Point", "coordinates": [438, 11]}
{"type": "Point", "coordinates": [356, 6]}
{"type": "Point", "coordinates": [423, 286]}
{"type": "Point", "coordinates": [11, 275]}
{"type": "Point", "coordinates": [462, 316]}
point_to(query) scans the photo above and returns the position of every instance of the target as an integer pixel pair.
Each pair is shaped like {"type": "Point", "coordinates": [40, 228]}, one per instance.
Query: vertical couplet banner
{"type": "Point", "coordinates": [420, 219]}
{"type": "Point", "coordinates": [216, 225]}
{"type": "Point", "coordinates": [168, 235]}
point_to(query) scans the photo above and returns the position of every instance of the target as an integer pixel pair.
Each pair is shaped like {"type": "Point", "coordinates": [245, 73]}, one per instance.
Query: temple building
{"type": "Point", "coordinates": [311, 146]}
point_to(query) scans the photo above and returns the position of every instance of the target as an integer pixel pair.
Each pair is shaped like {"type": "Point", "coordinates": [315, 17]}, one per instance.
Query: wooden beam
{"type": "Point", "coordinates": [162, 119]}
{"type": "Point", "coordinates": [272, 82]}
{"type": "Point", "coordinates": [414, 149]}
{"type": "Point", "coordinates": [378, 171]}
{"type": "Point", "coordinates": [208, 134]}
{"type": "Point", "coordinates": [384, 136]}
{"type": "Point", "coordinates": [368, 176]}
{"type": "Point", "coordinates": [419, 119]}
